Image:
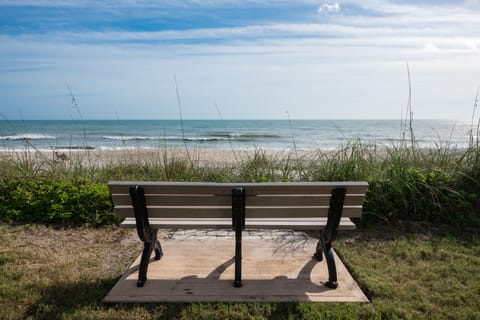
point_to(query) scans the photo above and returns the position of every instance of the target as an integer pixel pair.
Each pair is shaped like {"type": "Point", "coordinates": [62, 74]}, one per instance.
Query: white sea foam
{"type": "Point", "coordinates": [28, 136]}
{"type": "Point", "coordinates": [128, 138]}
{"type": "Point", "coordinates": [205, 139]}
{"type": "Point", "coordinates": [163, 138]}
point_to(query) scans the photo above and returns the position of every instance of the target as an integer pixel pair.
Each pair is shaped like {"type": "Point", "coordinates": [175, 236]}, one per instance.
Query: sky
{"type": "Point", "coordinates": [225, 59]}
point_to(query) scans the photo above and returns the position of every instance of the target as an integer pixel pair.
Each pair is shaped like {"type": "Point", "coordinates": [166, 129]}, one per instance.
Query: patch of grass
{"type": "Point", "coordinates": [60, 273]}
{"type": "Point", "coordinates": [353, 162]}
{"type": "Point", "coordinates": [426, 278]}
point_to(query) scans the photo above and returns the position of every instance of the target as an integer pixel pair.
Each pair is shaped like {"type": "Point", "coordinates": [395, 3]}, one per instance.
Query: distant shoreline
{"type": "Point", "coordinates": [199, 156]}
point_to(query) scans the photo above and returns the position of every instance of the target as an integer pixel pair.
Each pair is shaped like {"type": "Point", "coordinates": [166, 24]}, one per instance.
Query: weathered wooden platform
{"type": "Point", "coordinates": [200, 267]}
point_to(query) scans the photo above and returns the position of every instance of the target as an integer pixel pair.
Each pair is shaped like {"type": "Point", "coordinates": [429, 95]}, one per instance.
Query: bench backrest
{"type": "Point", "coordinates": [214, 200]}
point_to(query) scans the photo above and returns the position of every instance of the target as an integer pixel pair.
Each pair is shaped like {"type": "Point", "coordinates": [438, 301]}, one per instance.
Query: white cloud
{"type": "Point", "coordinates": [329, 8]}
{"type": "Point", "coordinates": [44, 3]}
{"type": "Point", "coordinates": [430, 47]}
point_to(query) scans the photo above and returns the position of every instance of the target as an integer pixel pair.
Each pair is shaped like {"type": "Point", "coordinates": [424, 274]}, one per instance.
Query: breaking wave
{"type": "Point", "coordinates": [210, 137]}
{"type": "Point", "coordinates": [28, 136]}
{"type": "Point", "coordinates": [243, 136]}
{"type": "Point", "coordinates": [128, 138]}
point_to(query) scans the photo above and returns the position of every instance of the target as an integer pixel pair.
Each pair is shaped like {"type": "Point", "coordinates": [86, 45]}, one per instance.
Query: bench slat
{"type": "Point", "coordinates": [226, 212]}
{"type": "Point", "coordinates": [253, 223]}
{"type": "Point", "coordinates": [267, 201]}
{"type": "Point", "coordinates": [252, 188]}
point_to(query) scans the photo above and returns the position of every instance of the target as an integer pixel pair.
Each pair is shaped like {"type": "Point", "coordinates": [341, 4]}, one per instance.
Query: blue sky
{"type": "Point", "coordinates": [238, 59]}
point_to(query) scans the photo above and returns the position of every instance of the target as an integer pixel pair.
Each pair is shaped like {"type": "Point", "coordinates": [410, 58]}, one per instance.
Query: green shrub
{"type": "Point", "coordinates": [420, 195]}
{"type": "Point", "coordinates": [55, 202]}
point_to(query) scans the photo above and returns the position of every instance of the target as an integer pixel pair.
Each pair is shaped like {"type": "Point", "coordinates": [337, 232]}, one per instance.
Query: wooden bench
{"type": "Point", "coordinates": [324, 206]}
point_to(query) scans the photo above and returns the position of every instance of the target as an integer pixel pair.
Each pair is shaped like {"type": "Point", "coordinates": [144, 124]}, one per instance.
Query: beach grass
{"type": "Point", "coordinates": [416, 253]}
{"type": "Point", "coordinates": [439, 185]}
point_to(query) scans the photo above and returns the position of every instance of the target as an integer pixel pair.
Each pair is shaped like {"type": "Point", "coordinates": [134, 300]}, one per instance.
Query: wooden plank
{"type": "Point", "coordinates": [251, 223]}
{"type": "Point", "coordinates": [176, 200]}
{"type": "Point", "coordinates": [226, 188]}
{"type": "Point", "coordinates": [293, 188]}
{"type": "Point", "coordinates": [296, 223]}
{"type": "Point", "coordinates": [276, 270]}
{"type": "Point", "coordinates": [226, 212]}
{"type": "Point", "coordinates": [174, 188]}
{"type": "Point", "coordinates": [190, 223]}
{"type": "Point", "coordinates": [209, 200]}
{"type": "Point", "coordinates": [179, 212]}
{"type": "Point", "coordinates": [300, 200]}
{"type": "Point", "coordinates": [236, 184]}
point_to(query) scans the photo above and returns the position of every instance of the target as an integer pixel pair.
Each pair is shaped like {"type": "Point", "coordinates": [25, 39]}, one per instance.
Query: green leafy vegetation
{"type": "Point", "coordinates": [47, 201]}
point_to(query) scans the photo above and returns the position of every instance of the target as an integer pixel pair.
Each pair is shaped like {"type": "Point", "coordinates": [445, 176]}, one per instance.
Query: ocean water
{"type": "Point", "coordinates": [224, 134]}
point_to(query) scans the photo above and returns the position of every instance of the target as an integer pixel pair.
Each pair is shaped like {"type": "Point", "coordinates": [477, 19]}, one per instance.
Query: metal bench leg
{"type": "Point", "coordinates": [148, 249]}
{"type": "Point", "coordinates": [145, 233]}
{"type": "Point", "coordinates": [326, 248]}
{"type": "Point", "coordinates": [142, 271]}
{"type": "Point", "coordinates": [158, 250]}
{"type": "Point", "coordinates": [319, 251]}
{"type": "Point", "coordinates": [238, 258]}
{"type": "Point", "coordinates": [238, 221]}
{"type": "Point", "coordinates": [332, 268]}
{"type": "Point", "coordinates": [330, 234]}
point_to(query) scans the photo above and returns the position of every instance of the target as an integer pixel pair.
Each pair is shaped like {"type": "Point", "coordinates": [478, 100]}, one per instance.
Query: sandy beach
{"type": "Point", "coordinates": [199, 156]}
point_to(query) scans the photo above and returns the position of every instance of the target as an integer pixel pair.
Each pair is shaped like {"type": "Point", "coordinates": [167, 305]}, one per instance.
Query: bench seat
{"type": "Point", "coordinates": [346, 224]}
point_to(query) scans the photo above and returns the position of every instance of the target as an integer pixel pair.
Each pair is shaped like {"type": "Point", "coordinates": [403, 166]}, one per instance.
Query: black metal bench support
{"type": "Point", "coordinates": [238, 224]}
{"type": "Point", "coordinates": [151, 243]}
{"type": "Point", "coordinates": [145, 233]}
{"type": "Point", "coordinates": [329, 234]}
